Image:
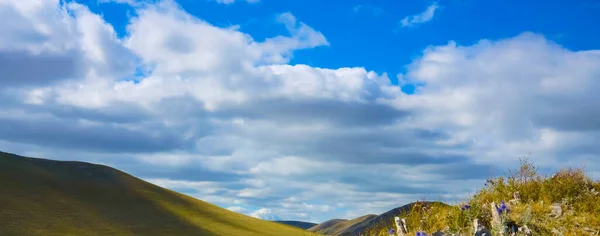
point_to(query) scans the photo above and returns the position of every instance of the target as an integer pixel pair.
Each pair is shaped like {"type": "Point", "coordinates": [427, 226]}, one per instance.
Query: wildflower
{"type": "Point", "coordinates": [503, 208]}
{"type": "Point", "coordinates": [420, 233]}
{"type": "Point", "coordinates": [465, 207]}
{"type": "Point", "coordinates": [391, 231]}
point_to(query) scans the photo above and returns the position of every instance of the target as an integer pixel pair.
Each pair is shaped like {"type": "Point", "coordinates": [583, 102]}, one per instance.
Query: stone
{"type": "Point", "coordinates": [400, 227]}
{"type": "Point", "coordinates": [483, 232]}
{"type": "Point", "coordinates": [496, 223]}
{"type": "Point", "coordinates": [525, 230]}
{"type": "Point", "coordinates": [438, 233]}
{"type": "Point", "coordinates": [556, 210]}
{"type": "Point", "coordinates": [511, 226]}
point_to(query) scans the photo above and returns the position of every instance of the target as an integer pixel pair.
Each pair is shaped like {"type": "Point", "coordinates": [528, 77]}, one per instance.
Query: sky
{"type": "Point", "coordinates": [304, 110]}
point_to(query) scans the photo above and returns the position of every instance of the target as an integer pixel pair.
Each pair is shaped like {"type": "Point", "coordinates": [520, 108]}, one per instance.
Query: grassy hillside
{"type": "Point", "coordinates": [325, 227]}
{"type": "Point", "coordinates": [354, 226]}
{"type": "Point", "coordinates": [342, 227]}
{"type": "Point", "coordinates": [299, 224]}
{"type": "Point", "coordinates": [44, 197]}
{"type": "Point", "coordinates": [566, 203]}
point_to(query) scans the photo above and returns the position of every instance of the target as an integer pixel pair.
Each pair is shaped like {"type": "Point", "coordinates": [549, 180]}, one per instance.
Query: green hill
{"type": "Point", "coordinates": [44, 197]}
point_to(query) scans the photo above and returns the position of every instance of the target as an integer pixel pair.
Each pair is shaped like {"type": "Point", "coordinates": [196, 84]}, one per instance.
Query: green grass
{"type": "Point", "coordinates": [570, 187]}
{"type": "Point", "coordinates": [43, 197]}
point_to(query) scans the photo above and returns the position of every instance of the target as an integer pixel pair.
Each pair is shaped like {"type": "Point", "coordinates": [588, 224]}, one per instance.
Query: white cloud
{"type": "Point", "coordinates": [422, 17]}
{"type": "Point", "coordinates": [265, 214]}
{"type": "Point", "coordinates": [61, 42]}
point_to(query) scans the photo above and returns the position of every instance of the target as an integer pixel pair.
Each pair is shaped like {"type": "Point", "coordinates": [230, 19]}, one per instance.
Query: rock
{"type": "Point", "coordinates": [438, 233]}
{"type": "Point", "coordinates": [483, 232]}
{"type": "Point", "coordinates": [516, 199]}
{"type": "Point", "coordinates": [556, 210]}
{"type": "Point", "coordinates": [496, 223]}
{"type": "Point", "coordinates": [525, 230]}
{"type": "Point", "coordinates": [511, 226]}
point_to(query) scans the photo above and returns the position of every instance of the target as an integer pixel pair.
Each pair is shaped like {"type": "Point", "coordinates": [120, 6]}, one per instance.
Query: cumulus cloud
{"type": "Point", "coordinates": [420, 18]}
{"type": "Point", "coordinates": [525, 93]}
{"type": "Point", "coordinates": [223, 117]}
{"type": "Point", "coordinates": [46, 42]}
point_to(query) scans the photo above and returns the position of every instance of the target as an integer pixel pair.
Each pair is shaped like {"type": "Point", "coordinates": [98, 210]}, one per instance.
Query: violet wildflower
{"type": "Point", "coordinates": [465, 207]}
{"type": "Point", "coordinates": [391, 231]}
{"type": "Point", "coordinates": [421, 233]}
{"type": "Point", "coordinates": [503, 208]}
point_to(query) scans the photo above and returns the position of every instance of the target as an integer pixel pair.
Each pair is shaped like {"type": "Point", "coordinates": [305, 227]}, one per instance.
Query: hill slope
{"type": "Point", "coordinates": [299, 224]}
{"type": "Point", "coordinates": [326, 227]}
{"type": "Point", "coordinates": [342, 227]}
{"type": "Point", "coordinates": [44, 197]}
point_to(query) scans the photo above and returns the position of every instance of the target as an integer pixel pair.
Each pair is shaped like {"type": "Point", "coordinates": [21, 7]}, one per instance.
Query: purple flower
{"type": "Point", "coordinates": [391, 231]}
{"type": "Point", "coordinates": [421, 233]}
{"type": "Point", "coordinates": [503, 208]}
{"type": "Point", "coordinates": [465, 207]}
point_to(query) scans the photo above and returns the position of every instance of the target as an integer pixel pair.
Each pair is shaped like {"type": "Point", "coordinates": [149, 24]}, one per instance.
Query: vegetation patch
{"type": "Point", "coordinates": [565, 203]}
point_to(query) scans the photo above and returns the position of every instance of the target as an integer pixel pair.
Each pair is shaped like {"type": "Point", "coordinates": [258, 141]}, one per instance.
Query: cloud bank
{"type": "Point", "coordinates": [216, 114]}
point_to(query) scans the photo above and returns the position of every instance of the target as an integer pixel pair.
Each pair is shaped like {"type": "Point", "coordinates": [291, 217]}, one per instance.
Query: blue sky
{"type": "Point", "coordinates": [304, 110]}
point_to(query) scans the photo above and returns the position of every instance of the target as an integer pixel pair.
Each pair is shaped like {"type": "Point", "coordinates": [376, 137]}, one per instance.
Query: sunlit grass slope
{"type": "Point", "coordinates": [44, 197]}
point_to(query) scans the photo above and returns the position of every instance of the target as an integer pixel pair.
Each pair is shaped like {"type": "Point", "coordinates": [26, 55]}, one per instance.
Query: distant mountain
{"type": "Point", "coordinates": [341, 227]}
{"type": "Point", "coordinates": [51, 198]}
{"type": "Point", "coordinates": [326, 227]}
{"type": "Point", "coordinates": [354, 227]}
{"type": "Point", "coordinates": [299, 224]}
